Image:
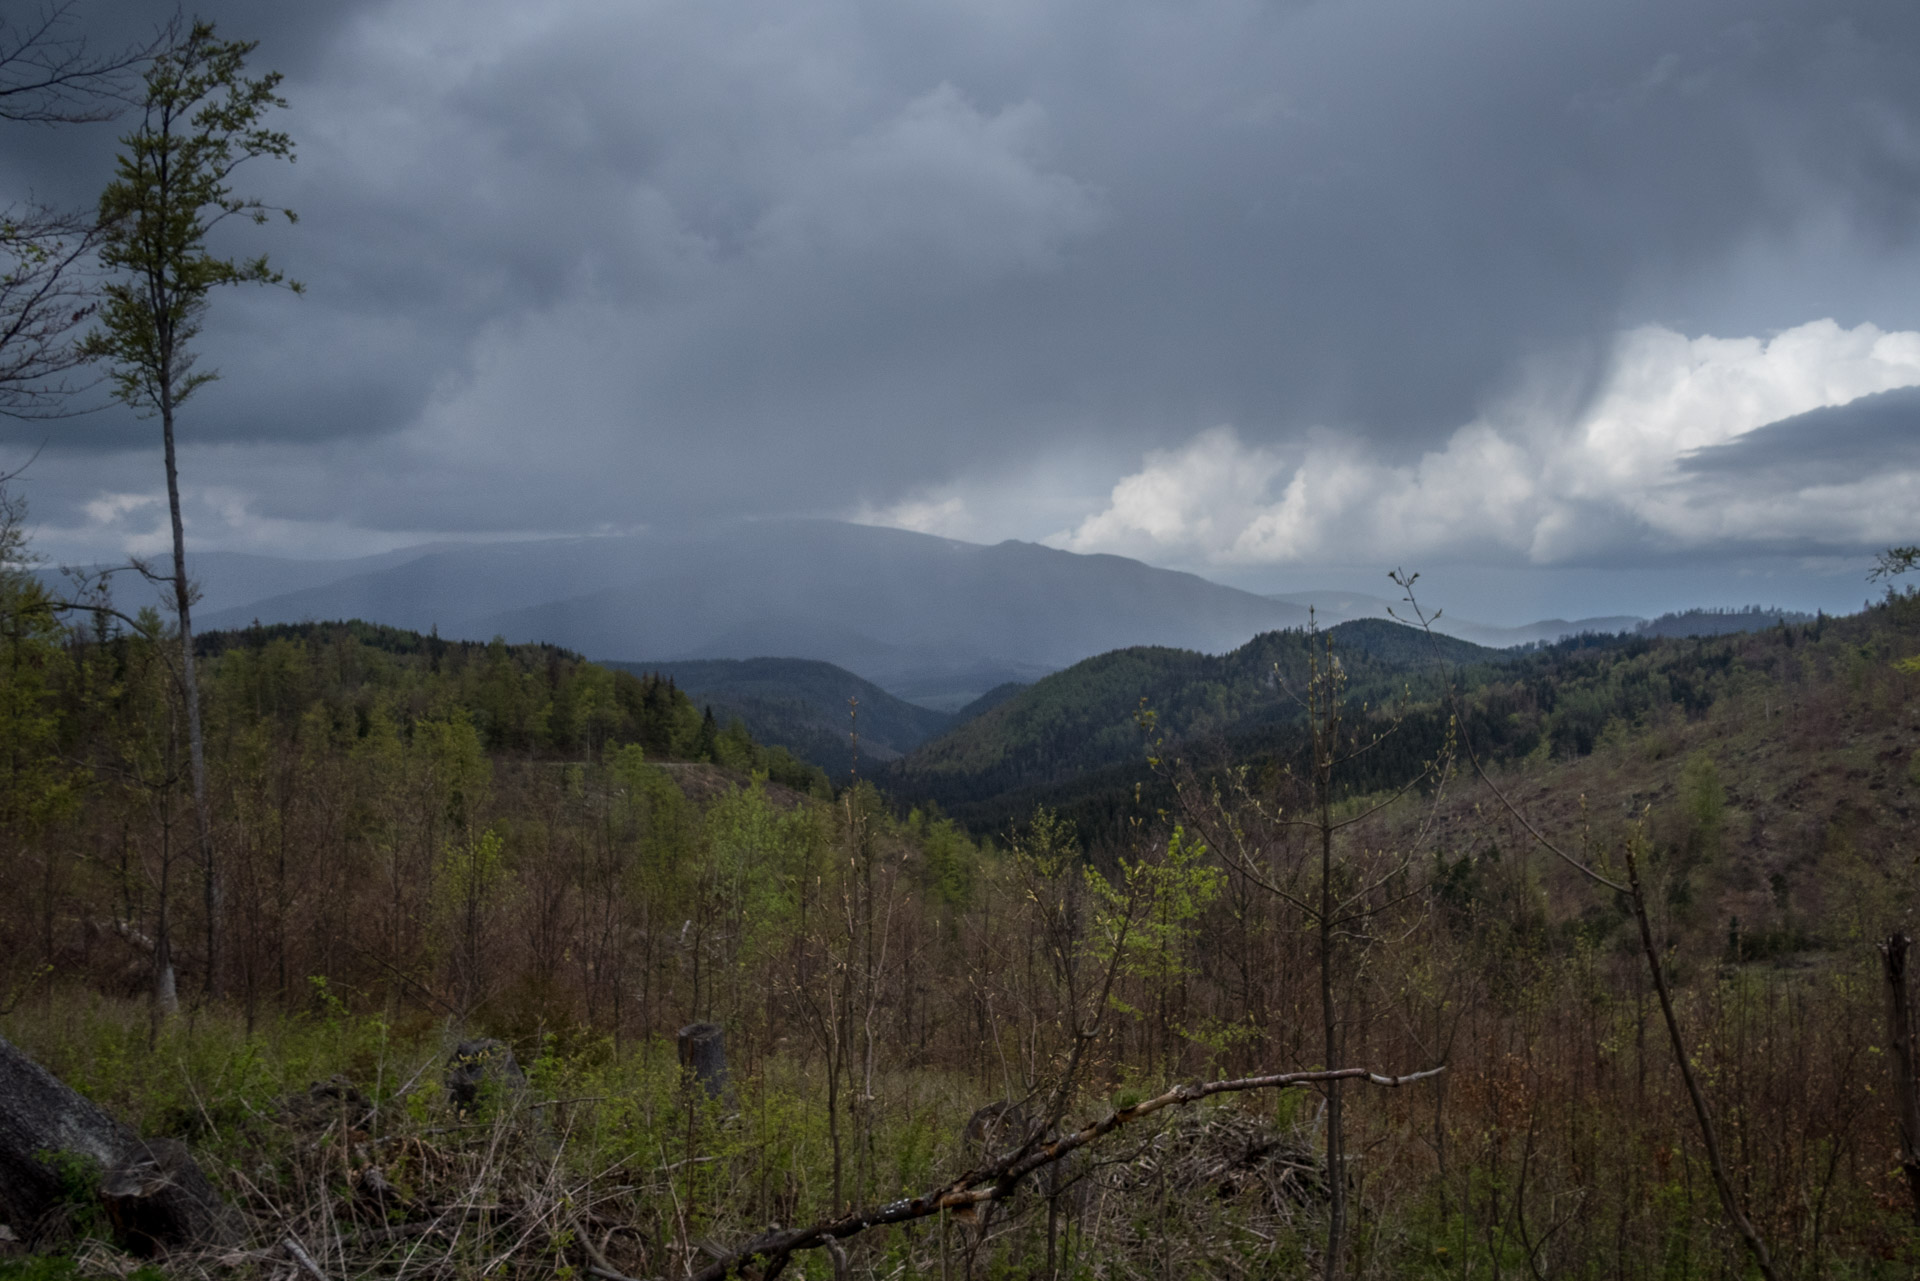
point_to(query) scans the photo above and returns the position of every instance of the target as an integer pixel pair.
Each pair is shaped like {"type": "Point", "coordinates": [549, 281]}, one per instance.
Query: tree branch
{"type": "Point", "coordinates": [999, 1180]}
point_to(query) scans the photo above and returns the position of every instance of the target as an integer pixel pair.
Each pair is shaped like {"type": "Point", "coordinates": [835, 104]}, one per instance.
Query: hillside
{"type": "Point", "coordinates": [1338, 607]}
{"type": "Point", "coordinates": [801, 705]}
{"type": "Point", "coordinates": [537, 701]}
{"type": "Point", "coordinates": [1069, 729]}
{"type": "Point", "coordinates": [1720, 622]}
{"type": "Point", "coordinates": [1071, 741]}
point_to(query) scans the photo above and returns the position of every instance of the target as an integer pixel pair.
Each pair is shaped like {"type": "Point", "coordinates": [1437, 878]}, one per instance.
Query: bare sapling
{"type": "Point", "coordinates": [1633, 892]}
{"type": "Point", "coordinates": [1239, 825]}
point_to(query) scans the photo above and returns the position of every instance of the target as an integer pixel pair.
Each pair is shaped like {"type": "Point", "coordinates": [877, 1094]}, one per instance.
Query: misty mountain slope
{"type": "Point", "coordinates": [988, 701]}
{"type": "Point", "coordinates": [1721, 622]}
{"type": "Point", "coordinates": [448, 589]}
{"type": "Point", "coordinates": [230, 581]}
{"type": "Point", "coordinates": [1084, 719]}
{"type": "Point", "coordinates": [1339, 607]}
{"type": "Point", "coordinates": [1547, 631]}
{"type": "Point", "coordinates": [918, 615]}
{"type": "Point", "coordinates": [801, 705]}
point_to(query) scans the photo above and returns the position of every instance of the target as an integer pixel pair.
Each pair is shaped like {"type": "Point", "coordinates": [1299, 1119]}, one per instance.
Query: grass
{"type": "Point", "coordinates": [602, 1158]}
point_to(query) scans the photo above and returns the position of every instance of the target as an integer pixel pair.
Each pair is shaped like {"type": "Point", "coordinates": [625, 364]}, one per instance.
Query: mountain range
{"type": "Point", "coordinates": [932, 620]}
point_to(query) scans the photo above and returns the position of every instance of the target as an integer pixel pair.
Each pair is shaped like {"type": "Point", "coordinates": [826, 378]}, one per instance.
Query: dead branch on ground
{"type": "Point", "coordinates": [1000, 1178]}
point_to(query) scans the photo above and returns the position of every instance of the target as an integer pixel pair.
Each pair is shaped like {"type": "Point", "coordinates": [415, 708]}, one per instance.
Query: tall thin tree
{"type": "Point", "coordinates": [200, 120]}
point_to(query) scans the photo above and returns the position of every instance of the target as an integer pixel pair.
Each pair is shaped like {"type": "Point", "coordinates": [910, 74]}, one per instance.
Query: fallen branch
{"type": "Point", "coordinates": [999, 1179]}
{"type": "Point", "coordinates": [305, 1260]}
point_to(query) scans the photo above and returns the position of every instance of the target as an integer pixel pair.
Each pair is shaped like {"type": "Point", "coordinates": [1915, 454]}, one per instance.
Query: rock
{"type": "Point", "coordinates": [481, 1069]}
{"type": "Point", "coordinates": [157, 1199]}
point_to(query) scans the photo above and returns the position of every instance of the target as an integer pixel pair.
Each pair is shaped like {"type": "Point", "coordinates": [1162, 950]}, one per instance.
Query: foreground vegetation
{"type": "Point", "coordinates": [420, 842]}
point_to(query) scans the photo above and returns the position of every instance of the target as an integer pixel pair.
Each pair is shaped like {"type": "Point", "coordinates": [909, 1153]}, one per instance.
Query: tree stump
{"type": "Point", "coordinates": [58, 1150]}
{"type": "Point", "coordinates": [703, 1054]}
{"type": "Point", "coordinates": [479, 1069]}
{"type": "Point", "coordinates": [156, 1197]}
{"type": "Point", "coordinates": [41, 1116]}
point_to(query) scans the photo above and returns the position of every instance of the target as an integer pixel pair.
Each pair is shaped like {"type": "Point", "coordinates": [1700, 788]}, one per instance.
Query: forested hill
{"type": "Point", "coordinates": [1066, 729]}
{"type": "Point", "coordinates": [1073, 741]}
{"type": "Point", "coordinates": [802, 705]}
{"type": "Point", "coordinates": [539, 701]}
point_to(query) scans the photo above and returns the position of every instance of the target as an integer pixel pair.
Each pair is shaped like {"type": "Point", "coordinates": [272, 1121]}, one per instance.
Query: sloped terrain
{"type": "Point", "coordinates": [802, 705]}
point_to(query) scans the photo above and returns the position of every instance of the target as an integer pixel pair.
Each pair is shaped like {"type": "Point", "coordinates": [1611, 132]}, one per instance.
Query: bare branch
{"type": "Point", "coordinates": [1000, 1179]}
{"type": "Point", "coordinates": [49, 75]}
{"type": "Point", "coordinates": [46, 294]}
{"type": "Point", "coordinates": [1424, 622]}
{"type": "Point", "coordinates": [1729, 1199]}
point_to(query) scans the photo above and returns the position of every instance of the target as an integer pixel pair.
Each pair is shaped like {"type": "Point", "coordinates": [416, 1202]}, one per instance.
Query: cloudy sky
{"type": "Point", "coordinates": [1579, 307]}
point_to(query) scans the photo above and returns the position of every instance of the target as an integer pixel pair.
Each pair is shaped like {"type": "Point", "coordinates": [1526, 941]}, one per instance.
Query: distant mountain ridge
{"type": "Point", "coordinates": [1331, 608]}
{"type": "Point", "coordinates": [929, 619]}
{"type": "Point", "coordinates": [934, 621]}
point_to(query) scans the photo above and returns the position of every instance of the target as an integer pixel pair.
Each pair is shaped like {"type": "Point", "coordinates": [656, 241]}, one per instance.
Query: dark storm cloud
{"type": "Point", "coordinates": [591, 263]}
{"type": "Point", "coordinates": [1833, 446]}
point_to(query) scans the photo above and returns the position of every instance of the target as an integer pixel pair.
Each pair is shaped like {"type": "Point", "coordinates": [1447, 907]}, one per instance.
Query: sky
{"type": "Point", "coordinates": [1576, 307]}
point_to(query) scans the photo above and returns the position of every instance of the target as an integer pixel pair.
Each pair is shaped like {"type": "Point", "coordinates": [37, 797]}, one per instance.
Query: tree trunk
{"type": "Point", "coordinates": [190, 692]}
{"type": "Point", "coordinates": [1325, 746]}
{"type": "Point", "coordinates": [1893, 954]}
{"type": "Point", "coordinates": [1330, 1027]}
{"type": "Point", "coordinates": [166, 995]}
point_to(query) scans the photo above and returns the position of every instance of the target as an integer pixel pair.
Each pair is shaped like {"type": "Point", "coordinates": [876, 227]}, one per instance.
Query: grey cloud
{"type": "Point", "coordinates": [1834, 446]}
{"type": "Point", "coordinates": [637, 262]}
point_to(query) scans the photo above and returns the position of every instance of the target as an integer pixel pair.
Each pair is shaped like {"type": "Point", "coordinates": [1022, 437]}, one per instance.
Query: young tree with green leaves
{"type": "Point", "coordinates": [201, 120]}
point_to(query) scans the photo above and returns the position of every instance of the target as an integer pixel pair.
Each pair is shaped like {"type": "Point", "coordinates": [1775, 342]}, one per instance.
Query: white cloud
{"type": "Point", "coordinates": [1524, 483]}
{"type": "Point", "coordinates": [945, 517]}
{"type": "Point", "coordinates": [1204, 494]}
